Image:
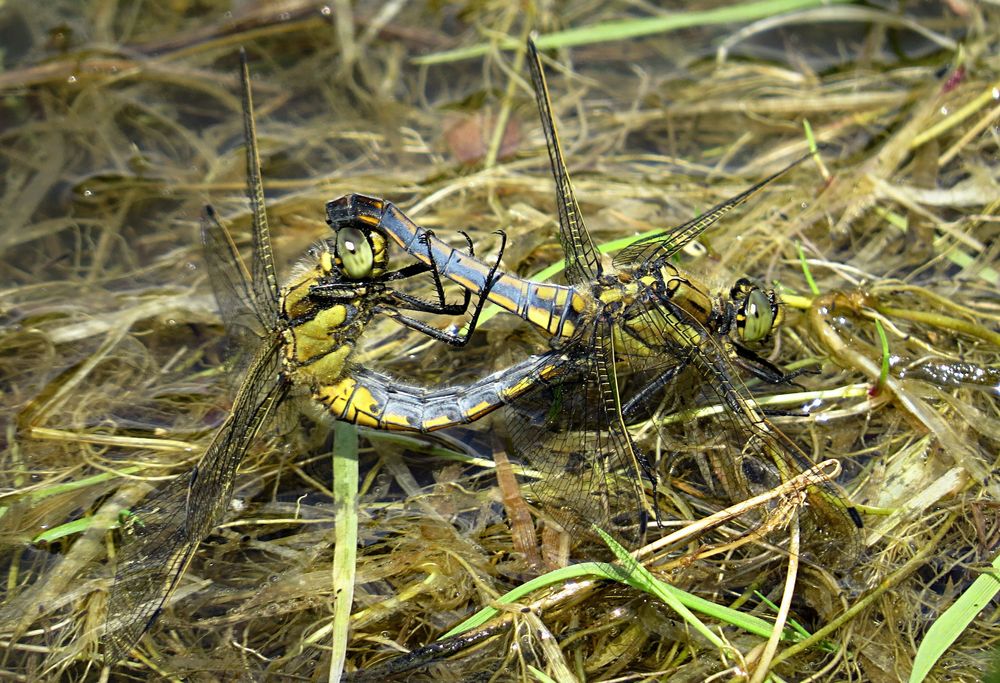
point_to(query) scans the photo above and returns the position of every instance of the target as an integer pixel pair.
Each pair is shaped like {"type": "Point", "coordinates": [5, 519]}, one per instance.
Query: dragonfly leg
{"type": "Point", "coordinates": [763, 369]}
{"type": "Point", "coordinates": [435, 271]}
{"type": "Point", "coordinates": [369, 213]}
{"type": "Point", "coordinates": [411, 303]}
{"type": "Point", "coordinates": [451, 338]}
{"type": "Point", "coordinates": [491, 280]}
{"type": "Point", "coordinates": [441, 307]}
{"type": "Point", "coordinates": [642, 398]}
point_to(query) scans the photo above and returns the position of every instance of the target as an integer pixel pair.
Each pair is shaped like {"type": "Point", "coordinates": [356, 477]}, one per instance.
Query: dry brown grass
{"type": "Point", "coordinates": [118, 125]}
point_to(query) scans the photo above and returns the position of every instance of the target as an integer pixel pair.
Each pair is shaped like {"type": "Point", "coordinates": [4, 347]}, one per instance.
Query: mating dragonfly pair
{"type": "Point", "coordinates": [622, 333]}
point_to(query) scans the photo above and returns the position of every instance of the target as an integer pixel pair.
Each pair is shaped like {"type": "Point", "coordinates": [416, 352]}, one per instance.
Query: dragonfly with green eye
{"type": "Point", "coordinates": [623, 333]}
{"type": "Point", "coordinates": [288, 340]}
{"type": "Point", "coordinates": [566, 414]}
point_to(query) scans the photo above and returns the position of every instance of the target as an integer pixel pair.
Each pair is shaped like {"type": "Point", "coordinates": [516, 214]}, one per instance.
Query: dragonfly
{"type": "Point", "coordinates": [623, 333]}
{"type": "Point", "coordinates": [565, 412]}
{"type": "Point", "coordinates": [292, 338]}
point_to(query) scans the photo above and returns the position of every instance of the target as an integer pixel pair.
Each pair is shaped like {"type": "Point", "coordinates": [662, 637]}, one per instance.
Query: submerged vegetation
{"type": "Point", "coordinates": [120, 122]}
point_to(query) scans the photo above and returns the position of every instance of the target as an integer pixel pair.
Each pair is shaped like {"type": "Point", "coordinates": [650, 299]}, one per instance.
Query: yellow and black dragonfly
{"type": "Point", "coordinates": [294, 339]}
{"type": "Point", "coordinates": [623, 333]}
{"type": "Point", "coordinates": [642, 320]}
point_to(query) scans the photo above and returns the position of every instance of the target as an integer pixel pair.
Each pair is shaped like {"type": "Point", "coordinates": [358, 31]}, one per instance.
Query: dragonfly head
{"type": "Point", "coordinates": [360, 254]}
{"type": "Point", "coordinates": [757, 310]}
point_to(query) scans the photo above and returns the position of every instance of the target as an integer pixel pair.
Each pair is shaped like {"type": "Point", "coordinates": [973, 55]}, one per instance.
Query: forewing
{"type": "Point", "coordinates": [583, 263]}
{"type": "Point", "coordinates": [160, 537]}
{"type": "Point", "coordinates": [265, 292]}
{"type": "Point", "coordinates": [570, 431]}
{"type": "Point", "coordinates": [666, 244]}
{"type": "Point", "coordinates": [248, 299]}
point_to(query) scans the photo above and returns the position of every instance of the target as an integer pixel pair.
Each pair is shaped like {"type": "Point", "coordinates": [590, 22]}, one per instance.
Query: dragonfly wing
{"type": "Point", "coordinates": [666, 244]}
{"type": "Point", "coordinates": [160, 537]}
{"type": "Point", "coordinates": [265, 293]}
{"type": "Point", "coordinates": [154, 552]}
{"type": "Point", "coordinates": [583, 263]}
{"type": "Point", "coordinates": [750, 454]}
{"type": "Point", "coordinates": [570, 431]}
{"type": "Point", "coordinates": [248, 301]}
{"type": "Point", "coordinates": [245, 323]}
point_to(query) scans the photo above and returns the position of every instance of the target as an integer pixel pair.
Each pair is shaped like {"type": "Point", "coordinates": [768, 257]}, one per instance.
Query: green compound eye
{"type": "Point", "coordinates": [758, 316]}
{"type": "Point", "coordinates": [354, 253]}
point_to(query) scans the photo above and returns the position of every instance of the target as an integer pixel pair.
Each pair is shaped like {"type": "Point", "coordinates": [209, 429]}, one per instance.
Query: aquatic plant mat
{"type": "Point", "coordinates": [119, 121]}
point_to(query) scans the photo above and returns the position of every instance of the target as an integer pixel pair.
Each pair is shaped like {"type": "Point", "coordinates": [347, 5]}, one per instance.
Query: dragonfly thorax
{"type": "Point", "coordinates": [688, 295]}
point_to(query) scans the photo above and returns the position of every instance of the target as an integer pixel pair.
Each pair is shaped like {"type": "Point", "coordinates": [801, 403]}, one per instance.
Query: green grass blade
{"type": "Point", "coordinates": [950, 625]}
{"type": "Point", "coordinates": [345, 501]}
{"type": "Point", "coordinates": [641, 578]}
{"type": "Point", "coordinates": [635, 28]}
{"type": "Point", "coordinates": [613, 572]}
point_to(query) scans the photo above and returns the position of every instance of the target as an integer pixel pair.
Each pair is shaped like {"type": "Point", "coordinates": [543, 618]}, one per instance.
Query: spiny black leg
{"type": "Point", "coordinates": [763, 369]}
{"type": "Point", "coordinates": [642, 397]}
{"type": "Point", "coordinates": [403, 273]}
{"type": "Point", "coordinates": [348, 291]}
{"type": "Point", "coordinates": [425, 238]}
{"type": "Point", "coordinates": [457, 339]}
{"type": "Point", "coordinates": [412, 303]}
{"type": "Point", "coordinates": [420, 326]}
{"type": "Point", "coordinates": [415, 303]}
{"type": "Point", "coordinates": [491, 279]}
